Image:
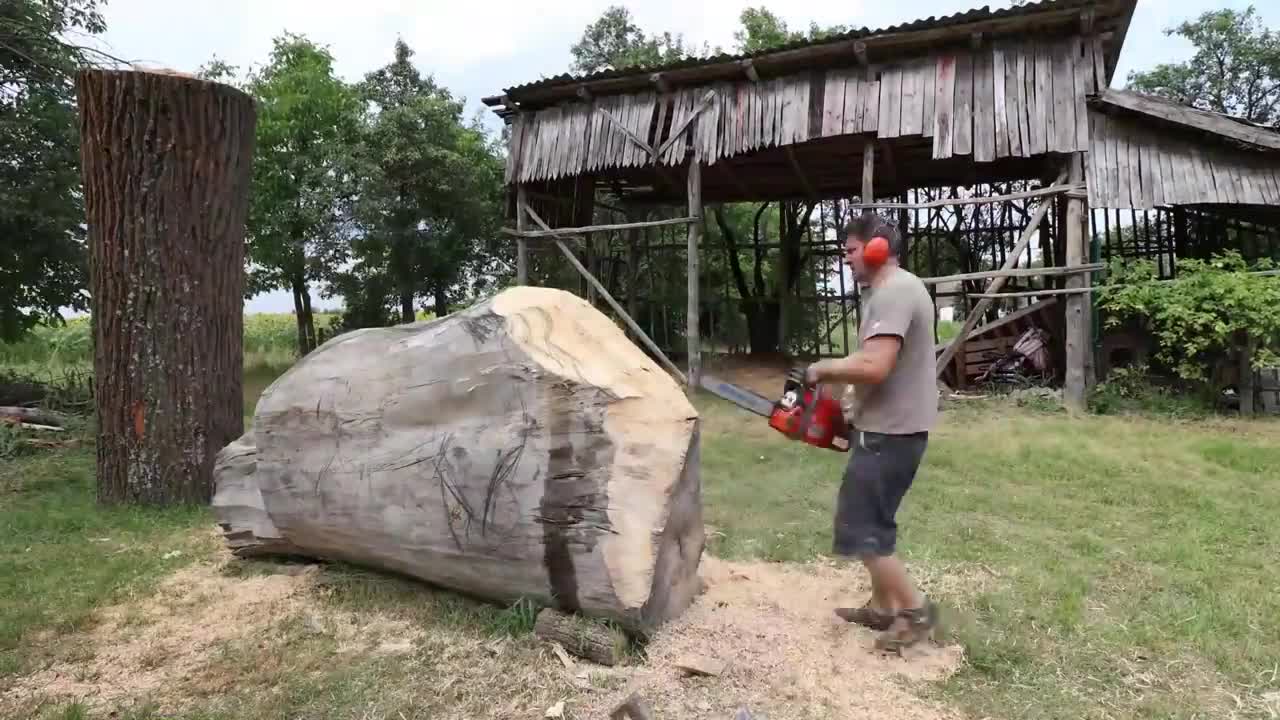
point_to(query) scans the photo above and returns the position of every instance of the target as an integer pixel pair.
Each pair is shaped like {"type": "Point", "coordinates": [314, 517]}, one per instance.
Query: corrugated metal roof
{"type": "Point", "coordinates": [929, 23]}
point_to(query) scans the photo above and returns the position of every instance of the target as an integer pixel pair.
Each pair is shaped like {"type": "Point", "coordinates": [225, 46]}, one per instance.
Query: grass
{"type": "Point", "coordinates": [1132, 554]}
{"type": "Point", "coordinates": [1094, 567]}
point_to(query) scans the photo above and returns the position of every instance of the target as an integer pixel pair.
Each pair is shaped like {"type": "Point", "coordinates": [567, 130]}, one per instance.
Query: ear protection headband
{"type": "Point", "coordinates": [876, 252]}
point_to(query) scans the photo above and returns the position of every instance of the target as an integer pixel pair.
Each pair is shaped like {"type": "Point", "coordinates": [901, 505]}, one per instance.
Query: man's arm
{"type": "Point", "coordinates": [869, 365]}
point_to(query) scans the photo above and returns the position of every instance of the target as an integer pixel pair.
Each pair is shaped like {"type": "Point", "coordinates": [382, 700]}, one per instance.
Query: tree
{"type": "Point", "coordinates": [763, 30]}
{"type": "Point", "coordinates": [167, 162]}
{"type": "Point", "coordinates": [615, 41]}
{"type": "Point", "coordinates": [308, 121]}
{"type": "Point", "coordinates": [1235, 69]}
{"type": "Point", "coordinates": [42, 255]}
{"type": "Point", "coordinates": [430, 191]}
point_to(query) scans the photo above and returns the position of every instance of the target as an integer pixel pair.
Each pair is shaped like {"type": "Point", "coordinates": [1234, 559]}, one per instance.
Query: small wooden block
{"type": "Point", "coordinates": [709, 667]}
{"type": "Point", "coordinates": [635, 708]}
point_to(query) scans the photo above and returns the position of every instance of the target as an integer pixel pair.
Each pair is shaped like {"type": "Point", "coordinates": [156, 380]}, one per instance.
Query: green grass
{"type": "Point", "coordinates": [1133, 556]}
{"type": "Point", "coordinates": [1093, 567]}
{"type": "Point", "coordinates": [62, 556]}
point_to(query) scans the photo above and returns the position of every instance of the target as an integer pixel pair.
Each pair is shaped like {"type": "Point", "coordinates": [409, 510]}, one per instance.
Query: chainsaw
{"type": "Point", "coordinates": [804, 412]}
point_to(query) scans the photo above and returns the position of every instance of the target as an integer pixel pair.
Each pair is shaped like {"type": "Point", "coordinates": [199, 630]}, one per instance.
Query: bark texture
{"type": "Point", "coordinates": [586, 639]}
{"type": "Point", "coordinates": [166, 161]}
{"type": "Point", "coordinates": [521, 447]}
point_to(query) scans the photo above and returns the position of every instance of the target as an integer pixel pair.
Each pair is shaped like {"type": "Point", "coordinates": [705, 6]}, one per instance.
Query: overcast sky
{"type": "Point", "coordinates": [477, 48]}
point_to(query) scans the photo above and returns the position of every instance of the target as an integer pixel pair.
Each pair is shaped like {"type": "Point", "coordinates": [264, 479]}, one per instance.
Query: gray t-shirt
{"type": "Point", "coordinates": [907, 401]}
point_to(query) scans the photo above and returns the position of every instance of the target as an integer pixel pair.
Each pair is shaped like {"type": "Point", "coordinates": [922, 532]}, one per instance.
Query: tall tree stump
{"type": "Point", "coordinates": [166, 161]}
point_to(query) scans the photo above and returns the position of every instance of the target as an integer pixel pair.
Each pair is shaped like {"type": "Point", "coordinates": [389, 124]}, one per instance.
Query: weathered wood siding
{"type": "Point", "coordinates": [1008, 98]}
{"type": "Point", "coordinates": [1135, 164]}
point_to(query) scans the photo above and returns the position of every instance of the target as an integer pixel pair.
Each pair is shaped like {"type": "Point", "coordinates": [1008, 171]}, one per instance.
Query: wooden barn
{"type": "Point", "coordinates": [994, 131]}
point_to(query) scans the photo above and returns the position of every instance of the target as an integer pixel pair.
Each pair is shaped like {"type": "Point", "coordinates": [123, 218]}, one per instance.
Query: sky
{"type": "Point", "coordinates": [477, 48]}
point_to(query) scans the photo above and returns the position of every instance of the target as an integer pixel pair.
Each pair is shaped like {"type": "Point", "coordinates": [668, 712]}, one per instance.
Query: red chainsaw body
{"type": "Point", "coordinates": [812, 415]}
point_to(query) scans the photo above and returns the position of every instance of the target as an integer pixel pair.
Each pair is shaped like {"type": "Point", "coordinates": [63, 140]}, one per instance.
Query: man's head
{"type": "Point", "coordinates": [872, 243]}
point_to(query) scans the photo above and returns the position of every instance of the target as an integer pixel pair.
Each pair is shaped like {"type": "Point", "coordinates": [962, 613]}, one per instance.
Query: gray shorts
{"type": "Point", "coordinates": [880, 471]}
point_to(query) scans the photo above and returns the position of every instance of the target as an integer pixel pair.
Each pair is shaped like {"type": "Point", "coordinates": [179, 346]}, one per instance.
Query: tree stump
{"type": "Point", "coordinates": [522, 448]}
{"type": "Point", "coordinates": [166, 162]}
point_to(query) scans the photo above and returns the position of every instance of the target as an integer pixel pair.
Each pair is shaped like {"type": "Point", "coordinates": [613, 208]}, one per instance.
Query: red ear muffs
{"type": "Point", "coordinates": [876, 252]}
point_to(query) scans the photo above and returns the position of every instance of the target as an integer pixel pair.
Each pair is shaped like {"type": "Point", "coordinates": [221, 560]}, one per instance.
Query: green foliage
{"type": "Point", "coordinates": [762, 30]}
{"type": "Point", "coordinates": [1130, 390]}
{"type": "Point", "coordinates": [9, 441]}
{"type": "Point", "coordinates": [615, 41]}
{"type": "Point", "coordinates": [1235, 70]}
{"type": "Point", "coordinates": [42, 257]}
{"type": "Point", "coordinates": [1201, 316]}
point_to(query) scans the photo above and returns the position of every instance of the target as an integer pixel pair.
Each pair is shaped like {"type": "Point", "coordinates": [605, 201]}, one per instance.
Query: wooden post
{"type": "Point", "coordinates": [695, 234]}
{"type": "Point", "coordinates": [633, 260]}
{"type": "Point", "coordinates": [868, 171]}
{"type": "Point", "coordinates": [1077, 325]}
{"type": "Point", "coordinates": [522, 245]}
{"type": "Point", "coordinates": [166, 162]}
{"type": "Point", "coordinates": [1247, 391]}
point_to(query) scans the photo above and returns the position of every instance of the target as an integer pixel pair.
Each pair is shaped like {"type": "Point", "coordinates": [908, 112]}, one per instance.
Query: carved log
{"type": "Point", "coordinates": [523, 447]}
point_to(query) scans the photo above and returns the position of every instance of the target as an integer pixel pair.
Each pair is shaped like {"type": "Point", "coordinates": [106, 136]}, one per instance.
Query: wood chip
{"type": "Point", "coordinates": [564, 656]}
{"type": "Point", "coordinates": [709, 667]}
{"type": "Point", "coordinates": [555, 711]}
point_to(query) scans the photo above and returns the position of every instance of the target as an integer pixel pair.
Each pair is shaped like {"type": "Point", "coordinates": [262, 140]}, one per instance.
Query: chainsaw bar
{"type": "Point", "coordinates": [744, 399]}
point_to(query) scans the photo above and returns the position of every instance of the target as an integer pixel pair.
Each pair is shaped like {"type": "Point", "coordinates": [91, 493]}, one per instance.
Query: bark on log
{"type": "Point", "coordinates": [581, 637]}
{"type": "Point", "coordinates": [523, 447]}
{"type": "Point", "coordinates": [166, 162]}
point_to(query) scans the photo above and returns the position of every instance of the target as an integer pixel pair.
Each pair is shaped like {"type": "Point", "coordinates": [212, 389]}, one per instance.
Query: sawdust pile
{"type": "Point", "coordinates": [786, 655]}
{"type": "Point", "coordinates": [160, 646]}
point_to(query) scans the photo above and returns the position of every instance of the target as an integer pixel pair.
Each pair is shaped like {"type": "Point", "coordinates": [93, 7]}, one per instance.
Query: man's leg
{"type": "Point", "coordinates": [892, 588]}
{"type": "Point", "coordinates": [858, 534]}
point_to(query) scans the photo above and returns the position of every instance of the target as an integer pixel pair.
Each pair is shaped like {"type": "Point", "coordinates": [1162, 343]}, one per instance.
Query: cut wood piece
{"type": "Point", "coordinates": [705, 666]}
{"type": "Point", "coordinates": [522, 447]}
{"type": "Point", "coordinates": [581, 637]}
{"type": "Point", "coordinates": [634, 708]}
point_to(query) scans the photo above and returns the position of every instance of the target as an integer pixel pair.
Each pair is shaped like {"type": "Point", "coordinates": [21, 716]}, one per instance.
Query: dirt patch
{"type": "Point", "coordinates": [786, 655]}
{"type": "Point", "coordinates": [206, 632]}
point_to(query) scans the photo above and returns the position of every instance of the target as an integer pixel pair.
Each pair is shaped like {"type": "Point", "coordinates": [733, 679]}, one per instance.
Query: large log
{"type": "Point", "coordinates": [523, 447]}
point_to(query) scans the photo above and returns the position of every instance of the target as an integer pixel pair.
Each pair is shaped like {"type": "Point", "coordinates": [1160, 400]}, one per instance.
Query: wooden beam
{"type": "Point", "coordinates": [947, 202]}
{"type": "Point", "coordinates": [522, 247]}
{"type": "Point", "coordinates": [569, 232]}
{"type": "Point", "coordinates": [695, 235]}
{"type": "Point", "coordinates": [660, 81]}
{"type": "Point", "coordinates": [795, 166]}
{"type": "Point", "coordinates": [1188, 117]}
{"type": "Point", "coordinates": [971, 319]}
{"type": "Point", "coordinates": [585, 93]}
{"type": "Point", "coordinates": [749, 68]}
{"type": "Point", "coordinates": [630, 323]}
{"type": "Point", "coordinates": [728, 172]}
{"type": "Point", "coordinates": [1013, 273]}
{"type": "Point", "coordinates": [1077, 318]}
{"type": "Point", "coordinates": [679, 130]}
{"type": "Point", "coordinates": [868, 172]}
{"type": "Point", "coordinates": [653, 155]}
{"type": "Point", "coordinates": [860, 52]}
{"type": "Point", "coordinates": [1006, 320]}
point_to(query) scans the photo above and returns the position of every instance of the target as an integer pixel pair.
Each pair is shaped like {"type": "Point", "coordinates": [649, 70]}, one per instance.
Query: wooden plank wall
{"type": "Point", "coordinates": [1135, 164]}
{"type": "Point", "coordinates": [1010, 98]}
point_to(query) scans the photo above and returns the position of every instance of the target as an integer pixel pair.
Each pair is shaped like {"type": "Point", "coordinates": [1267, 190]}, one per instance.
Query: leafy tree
{"type": "Point", "coordinates": [430, 192]}
{"type": "Point", "coordinates": [762, 30]}
{"type": "Point", "coordinates": [308, 119]}
{"type": "Point", "coordinates": [1212, 310]}
{"type": "Point", "coordinates": [1235, 70]}
{"type": "Point", "coordinates": [42, 253]}
{"type": "Point", "coordinates": [614, 40]}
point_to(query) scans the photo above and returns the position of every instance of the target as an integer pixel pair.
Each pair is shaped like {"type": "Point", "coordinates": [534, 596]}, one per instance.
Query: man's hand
{"type": "Point", "coordinates": [869, 365]}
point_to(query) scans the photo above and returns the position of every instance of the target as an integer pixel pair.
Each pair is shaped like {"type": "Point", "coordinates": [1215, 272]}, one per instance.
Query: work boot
{"type": "Point", "coordinates": [867, 616]}
{"type": "Point", "coordinates": [910, 627]}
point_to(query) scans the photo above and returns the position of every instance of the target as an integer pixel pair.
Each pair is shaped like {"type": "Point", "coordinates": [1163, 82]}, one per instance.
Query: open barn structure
{"type": "Point", "coordinates": [993, 137]}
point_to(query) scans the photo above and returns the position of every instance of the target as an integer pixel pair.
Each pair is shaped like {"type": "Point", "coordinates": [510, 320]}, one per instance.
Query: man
{"type": "Point", "coordinates": [891, 404]}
